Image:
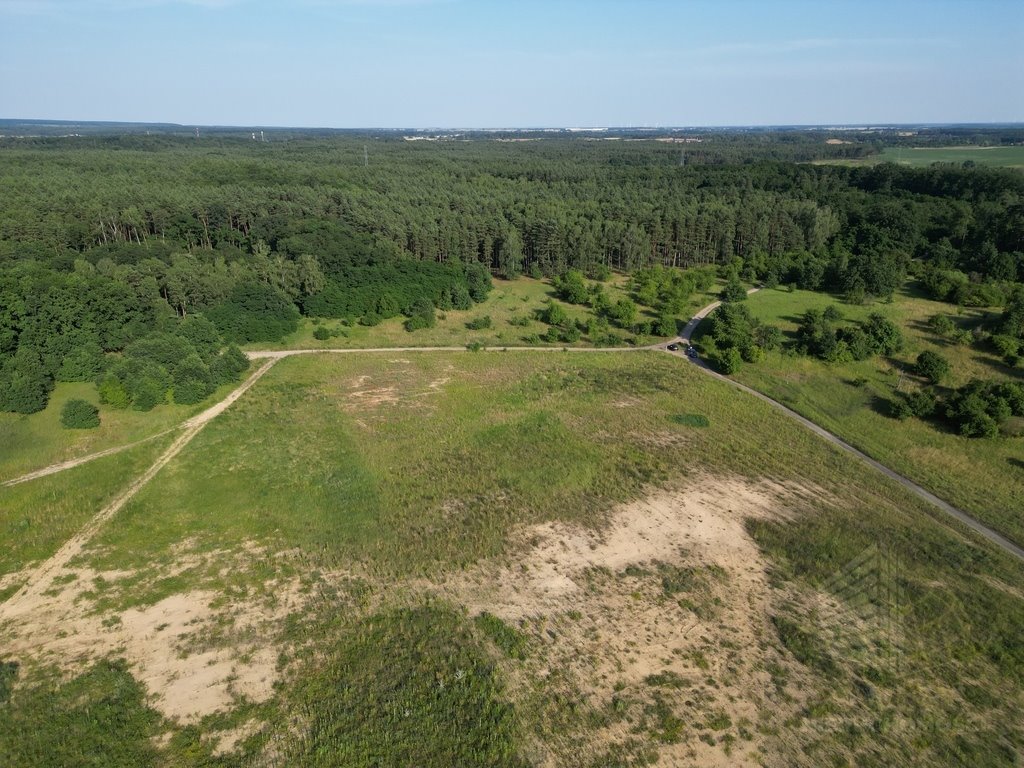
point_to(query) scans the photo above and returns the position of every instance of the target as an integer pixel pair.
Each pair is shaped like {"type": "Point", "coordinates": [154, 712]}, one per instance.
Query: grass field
{"type": "Point", "coordinates": [984, 477]}
{"type": "Point", "coordinates": [28, 443]}
{"type": "Point", "coordinates": [510, 300]}
{"type": "Point", "coordinates": [1003, 157]}
{"type": "Point", "coordinates": [508, 559]}
{"type": "Point", "coordinates": [38, 516]}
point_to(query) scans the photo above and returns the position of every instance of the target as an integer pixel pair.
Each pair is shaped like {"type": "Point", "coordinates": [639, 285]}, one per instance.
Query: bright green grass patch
{"type": "Point", "coordinates": [919, 157]}
{"type": "Point", "coordinates": [1010, 157]}
{"type": "Point", "coordinates": [98, 719]}
{"type": "Point", "coordinates": [980, 476]}
{"type": "Point", "coordinates": [406, 687]}
{"type": "Point", "coordinates": [950, 649]}
{"type": "Point", "coordinates": [28, 443]}
{"type": "Point", "coordinates": [691, 420]}
{"type": "Point", "coordinates": [38, 516]}
{"type": "Point", "coordinates": [512, 642]}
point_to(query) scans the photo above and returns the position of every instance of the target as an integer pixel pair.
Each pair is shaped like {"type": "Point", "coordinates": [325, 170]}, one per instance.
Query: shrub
{"type": "Point", "coordinates": [932, 366]}
{"type": "Point", "coordinates": [980, 407]}
{"type": "Point", "coordinates": [570, 335]}
{"type": "Point", "coordinates": [733, 291]}
{"type": "Point", "coordinates": [729, 360]}
{"type": "Point", "coordinates": [149, 393]}
{"type": "Point", "coordinates": [666, 326]}
{"type": "Point", "coordinates": [553, 314]}
{"type": "Point", "coordinates": [571, 288]}
{"type": "Point", "coordinates": [255, 311]}
{"type": "Point", "coordinates": [885, 335]}
{"type": "Point", "coordinates": [113, 393]}
{"type": "Point", "coordinates": [832, 313]}
{"type": "Point", "coordinates": [921, 404]}
{"type": "Point", "coordinates": [321, 333]}
{"type": "Point", "coordinates": [24, 383]}
{"type": "Point", "coordinates": [624, 313]}
{"type": "Point", "coordinates": [229, 365]}
{"type": "Point", "coordinates": [79, 414]}
{"type": "Point", "coordinates": [479, 323]}
{"type": "Point", "coordinates": [421, 315]}
{"type": "Point", "coordinates": [941, 325]}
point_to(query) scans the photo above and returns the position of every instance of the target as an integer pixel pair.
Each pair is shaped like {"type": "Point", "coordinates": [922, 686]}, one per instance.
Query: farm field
{"type": "Point", "coordinates": [509, 559]}
{"type": "Point", "coordinates": [983, 477]}
{"type": "Point", "coordinates": [920, 157]}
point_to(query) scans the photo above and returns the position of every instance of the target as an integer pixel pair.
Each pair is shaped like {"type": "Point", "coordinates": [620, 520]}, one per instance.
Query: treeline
{"type": "Point", "coordinates": [151, 323]}
{"type": "Point", "coordinates": [109, 240]}
{"type": "Point", "coordinates": [544, 206]}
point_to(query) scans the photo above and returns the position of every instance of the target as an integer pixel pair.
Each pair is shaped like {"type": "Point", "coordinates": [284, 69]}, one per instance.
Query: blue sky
{"type": "Point", "coordinates": [478, 63]}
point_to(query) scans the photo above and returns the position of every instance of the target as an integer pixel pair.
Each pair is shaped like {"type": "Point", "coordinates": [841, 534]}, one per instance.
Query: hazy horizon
{"type": "Point", "coordinates": [398, 64]}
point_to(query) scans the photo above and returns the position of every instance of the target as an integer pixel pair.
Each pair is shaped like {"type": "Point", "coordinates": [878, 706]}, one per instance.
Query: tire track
{"type": "Point", "coordinates": [41, 578]}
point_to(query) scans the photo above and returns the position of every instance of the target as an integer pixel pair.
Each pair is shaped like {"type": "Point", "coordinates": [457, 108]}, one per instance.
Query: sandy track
{"type": "Point", "coordinates": [71, 463]}
{"type": "Point", "coordinates": [41, 579]}
{"type": "Point", "coordinates": [274, 356]}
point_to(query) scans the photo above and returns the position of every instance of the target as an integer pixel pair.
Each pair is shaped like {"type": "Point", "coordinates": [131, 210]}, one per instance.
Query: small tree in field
{"type": "Point", "coordinates": [932, 366]}
{"type": "Point", "coordinates": [79, 414]}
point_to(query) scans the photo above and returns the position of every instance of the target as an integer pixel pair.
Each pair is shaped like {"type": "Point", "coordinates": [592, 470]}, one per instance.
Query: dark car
{"type": "Point", "coordinates": [673, 347]}
{"type": "Point", "coordinates": [691, 352]}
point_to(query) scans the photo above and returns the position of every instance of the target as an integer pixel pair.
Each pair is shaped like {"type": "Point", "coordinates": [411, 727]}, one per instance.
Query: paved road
{"type": "Point", "coordinates": [980, 528]}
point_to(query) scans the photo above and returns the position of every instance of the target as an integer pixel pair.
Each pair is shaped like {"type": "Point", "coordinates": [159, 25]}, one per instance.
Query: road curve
{"type": "Point", "coordinates": [978, 527]}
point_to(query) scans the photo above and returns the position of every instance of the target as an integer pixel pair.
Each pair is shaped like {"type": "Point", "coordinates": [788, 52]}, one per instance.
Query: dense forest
{"type": "Point", "coordinates": [140, 261]}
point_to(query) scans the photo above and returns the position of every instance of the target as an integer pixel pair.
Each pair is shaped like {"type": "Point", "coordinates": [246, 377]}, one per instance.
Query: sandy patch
{"type": "Point", "coordinates": [193, 658]}
{"type": "Point", "coordinates": [371, 398]}
{"type": "Point", "coordinates": [612, 624]}
{"type": "Point", "coordinates": [11, 578]}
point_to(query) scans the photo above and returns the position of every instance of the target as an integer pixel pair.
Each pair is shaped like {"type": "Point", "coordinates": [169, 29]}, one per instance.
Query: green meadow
{"type": "Point", "coordinates": [982, 476]}
{"type": "Point", "coordinates": [372, 479]}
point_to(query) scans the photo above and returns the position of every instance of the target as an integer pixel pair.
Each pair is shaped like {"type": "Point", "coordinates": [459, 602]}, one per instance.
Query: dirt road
{"type": "Point", "coordinates": [41, 578]}
{"type": "Point", "coordinates": [980, 528]}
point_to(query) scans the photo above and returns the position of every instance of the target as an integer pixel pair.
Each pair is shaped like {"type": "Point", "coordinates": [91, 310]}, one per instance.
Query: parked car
{"type": "Point", "coordinates": [691, 352]}
{"type": "Point", "coordinates": [673, 347]}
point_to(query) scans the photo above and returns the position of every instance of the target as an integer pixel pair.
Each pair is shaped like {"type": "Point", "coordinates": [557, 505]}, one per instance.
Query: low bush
{"type": "Point", "coordinates": [79, 414]}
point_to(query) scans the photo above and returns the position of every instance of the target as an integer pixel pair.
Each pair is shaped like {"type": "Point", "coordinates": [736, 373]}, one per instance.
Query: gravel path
{"type": "Point", "coordinates": [978, 527]}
